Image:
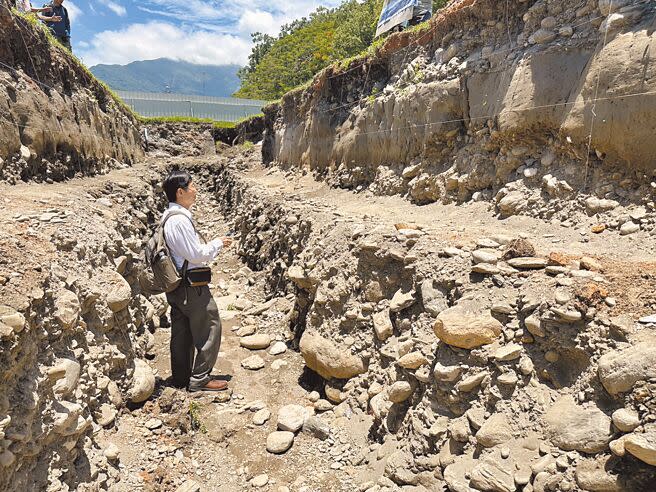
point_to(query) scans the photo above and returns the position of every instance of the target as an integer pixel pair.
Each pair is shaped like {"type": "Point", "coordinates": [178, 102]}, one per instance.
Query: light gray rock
{"type": "Point", "coordinates": [255, 342]}
{"type": "Point", "coordinates": [253, 363]}
{"type": "Point", "coordinates": [278, 348]}
{"type": "Point", "coordinates": [400, 391]}
{"type": "Point", "coordinates": [625, 420]}
{"type": "Point", "coordinates": [279, 442]}
{"type": "Point", "coordinates": [143, 382]}
{"type": "Point", "coordinates": [574, 427]}
{"type": "Point", "coordinates": [434, 297]}
{"type": "Point", "coordinates": [120, 293]}
{"type": "Point", "coordinates": [401, 300]}
{"type": "Point", "coordinates": [382, 325]}
{"type": "Point", "coordinates": [316, 426]}
{"type": "Point", "coordinates": [291, 417]}
{"type": "Point", "coordinates": [620, 369]}
{"type": "Point", "coordinates": [67, 309]}
{"type": "Point", "coordinates": [496, 430]}
{"type": "Point", "coordinates": [629, 227]}
{"type": "Point", "coordinates": [643, 445]}
{"type": "Point", "coordinates": [261, 416]}
{"type": "Point", "coordinates": [328, 359]}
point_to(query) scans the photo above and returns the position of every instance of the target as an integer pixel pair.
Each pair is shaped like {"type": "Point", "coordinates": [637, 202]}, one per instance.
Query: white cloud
{"type": "Point", "coordinates": [74, 12]}
{"type": "Point", "coordinates": [118, 9]}
{"type": "Point", "coordinates": [257, 21]}
{"type": "Point", "coordinates": [164, 40]}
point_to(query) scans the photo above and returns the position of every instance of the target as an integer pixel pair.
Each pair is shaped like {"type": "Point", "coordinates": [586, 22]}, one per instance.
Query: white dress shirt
{"type": "Point", "coordinates": [183, 241]}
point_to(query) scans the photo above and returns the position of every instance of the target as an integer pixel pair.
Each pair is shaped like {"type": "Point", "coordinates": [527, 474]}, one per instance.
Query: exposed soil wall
{"type": "Point", "coordinates": [56, 120]}
{"type": "Point", "coordinates": [523, 101]}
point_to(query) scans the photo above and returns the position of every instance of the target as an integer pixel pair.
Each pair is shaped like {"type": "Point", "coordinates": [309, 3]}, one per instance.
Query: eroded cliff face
{"type": "Point", "coordinates": [497, 101]}
{"type": "Point", "coordinates": [56, 120]}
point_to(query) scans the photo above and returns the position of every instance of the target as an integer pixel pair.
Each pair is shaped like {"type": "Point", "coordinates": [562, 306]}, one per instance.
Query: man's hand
{"type": "Point", "coordinates": [55, 18]}
{"type": "Point", "coordinates": [227, 241]}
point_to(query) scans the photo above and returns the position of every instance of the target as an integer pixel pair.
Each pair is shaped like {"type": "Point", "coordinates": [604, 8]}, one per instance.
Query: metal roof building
{"type": "Point", "coordinates": [154, 104]}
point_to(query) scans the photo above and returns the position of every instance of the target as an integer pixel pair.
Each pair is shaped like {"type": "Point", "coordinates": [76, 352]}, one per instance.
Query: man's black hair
{"type": "Point", "coordinates": [177, 179]}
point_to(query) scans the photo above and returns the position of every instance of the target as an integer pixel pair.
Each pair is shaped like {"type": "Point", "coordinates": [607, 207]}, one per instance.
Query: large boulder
{"type": "Point", "coordinates": [328, 359]}
{"type": "Point", "coordinates": [466, 330]}
{"type": "Point", "coordinates": [620, 369]}
{"type": "Point", "coordinates": [574, 427]}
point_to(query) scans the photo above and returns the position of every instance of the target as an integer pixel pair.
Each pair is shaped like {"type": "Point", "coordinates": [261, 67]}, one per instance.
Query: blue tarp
{"type": "Point", "coordinates": [394, 13]}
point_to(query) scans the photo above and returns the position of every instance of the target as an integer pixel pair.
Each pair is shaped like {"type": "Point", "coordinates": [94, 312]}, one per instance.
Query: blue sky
{"type": "Point", "coordinates": [214, 32]}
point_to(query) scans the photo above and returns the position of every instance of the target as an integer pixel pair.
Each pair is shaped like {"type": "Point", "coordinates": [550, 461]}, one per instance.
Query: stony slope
{"type": "Point", "coordinates": [56, 120]}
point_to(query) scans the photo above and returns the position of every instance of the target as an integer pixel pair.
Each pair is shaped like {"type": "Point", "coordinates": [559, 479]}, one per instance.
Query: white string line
{"type": "Point", "coordinates": [496, 53]}
{"type": "Point", "coordinates": [487, 117]}
{"type": "Point", "coordinates": [594, 104]}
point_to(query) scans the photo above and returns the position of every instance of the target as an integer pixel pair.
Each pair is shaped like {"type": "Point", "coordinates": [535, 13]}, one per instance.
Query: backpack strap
{"type": "Point", "coordinates": [176, 212]}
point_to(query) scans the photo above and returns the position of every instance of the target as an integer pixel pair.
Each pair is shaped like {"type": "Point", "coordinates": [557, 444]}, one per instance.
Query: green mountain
{"type": "Point", "coordinates": [163, 75]}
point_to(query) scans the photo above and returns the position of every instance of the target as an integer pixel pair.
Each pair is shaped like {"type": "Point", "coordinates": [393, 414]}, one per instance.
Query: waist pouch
{"type": "Point", "coordinates": [199, 277]}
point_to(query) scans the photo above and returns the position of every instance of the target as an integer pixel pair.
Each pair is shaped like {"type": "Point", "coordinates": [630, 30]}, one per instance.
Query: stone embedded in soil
{"type": "Point", "coordinates": [575, 427]}
{"type": "Point", "coordinates": [466, 330]}
{"type": "Point", "coordinates": [260, 481]}
{"type": "Point", "coordinates": [471, 382]}
{"type": "Point", "coordinates": [594, 474]}
{"type": "Point", "coordinates": [291, 417]}
{"type": "Point", "coordinates": [401, 300]}
{"type": "Point", "coordinates": [643, 445]}
{"type": "Point", "coordinates": [382, 325]}
{"type": "Point", "coordinates": [485, 269]}
{"type": "Point", "coordinates": [279, 442]}
{"type": "Point", "coordinates": [413, 360]}
{"type": "Point", "coordinates": [494, 431]}
{"type": "Point", "coordinates": [261, 416]}
{"type": "Point", "coordinates": [509, 352]}
{"type": "Point", "coordinates": [120, 292]}
{"type": "Point", "coordinates": [256, 342]}
{"type": "Point", "coordinates": [253, 363]}
{"type": "Point", "coordinates": [485, 256]}
{"type": "Point", "coordinates": [323, 405]}
{"type": "Point", "coordinates": [111, 452]}
{"type": "Point", "coordinates": [189, 486]}
{"type": "Point", "coordinates": [143, 382]}
{"type": "Point", "coordinates": [278, 348]}
{"type": "Point", "coordinates": [328, 359]}
{"type": "Point", "coordinates": [493, 474]}
{"type": "Point", "coordinates": [400, 391]}
{"type": "Point", "coordinates": [534, 326]}
{"type": "Point", "coordinates": [625, 420]}
{"type": "Point", "coordinates": [153, 424]}
{"type": "Point", "coordinates": [67, 309]}
{"type": "Point", "coordinates": [629, 228]}
{"type": "Point", "coordinates": [446, 373]}
{"type": "Point", "coordinates": [317, 427]}
{"type": "Point", "coordinates": [528, 263]}
{"type": "Point", "coordinates": [620, 369]}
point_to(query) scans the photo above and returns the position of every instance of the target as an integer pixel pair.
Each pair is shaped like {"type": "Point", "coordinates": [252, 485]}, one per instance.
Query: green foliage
{"type": "Point", "coordinates": [195, 410]}
{"type": "Point", "coordinates": [308, 45]}
{"type": "Point", "coordinates": [186, 119]}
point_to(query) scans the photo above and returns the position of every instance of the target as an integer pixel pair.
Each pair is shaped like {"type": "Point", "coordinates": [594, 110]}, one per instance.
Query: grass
{"type": "Point", "coordinates": [197, 121]}
{"type": "Point", "coordinates": [40, 27]}
{"type": "Point", "coordinates": [195, 410]}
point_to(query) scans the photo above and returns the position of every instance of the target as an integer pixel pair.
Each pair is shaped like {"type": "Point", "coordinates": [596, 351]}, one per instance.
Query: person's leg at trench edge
{"type": "Point", "coordinates": [204, 324]}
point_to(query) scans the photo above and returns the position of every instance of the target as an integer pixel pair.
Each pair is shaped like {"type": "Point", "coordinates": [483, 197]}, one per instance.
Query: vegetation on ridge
{"type": "Point", "coordinates": [308, 45]}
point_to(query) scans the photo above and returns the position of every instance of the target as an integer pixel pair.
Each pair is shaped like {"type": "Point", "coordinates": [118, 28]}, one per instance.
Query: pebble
{"type": "Point", "coordinates": [629, 228]}
{"type": "Point", "coordinates": [153, 424]}
{"type": "Point", "coordinates": [279, 442]}
{"type": "Point", "coordinates": [111, 452]}
{"type": "Point", "coordinates": [278, 348]}
{"type": "Point", "coordinates": [260, 480]}
{"type": "Point", "coordinates": [261, 416]}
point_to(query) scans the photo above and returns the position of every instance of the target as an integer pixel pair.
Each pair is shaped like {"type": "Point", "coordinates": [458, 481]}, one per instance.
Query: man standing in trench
{"type": "Point", "coordinates": [195, 323]}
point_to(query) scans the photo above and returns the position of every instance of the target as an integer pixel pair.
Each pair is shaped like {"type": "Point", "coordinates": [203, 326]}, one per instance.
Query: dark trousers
{"type": "Point", "coordinates": [195, 335]}
{"type": "Point", "coordinates": [66, 41]}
